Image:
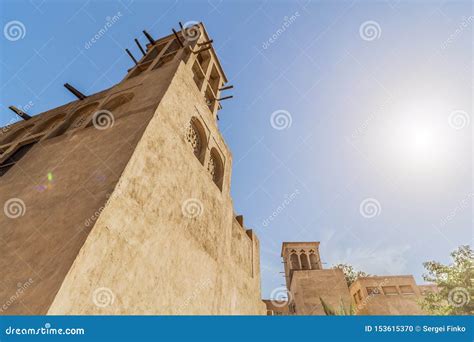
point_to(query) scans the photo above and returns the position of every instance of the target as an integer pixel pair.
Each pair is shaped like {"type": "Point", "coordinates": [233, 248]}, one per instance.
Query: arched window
{"type": "Point", "coordinates": [20, 152]}
{"type": "Point", "coordinates": [304, 261]}
{"type": "Point", "coordinates": [313, 259]}
{"type": "Point", "coordinates": [117, 102]}
{"type": "Point", "coordinates": [48, 124]}
{"type": "Point", "coordinates": [20, 132]}
{"type": "Point", "coordinates": [82, 114]}
{"type": "Point", "coordinates": [295, 263]}
{"type": "Point", "coordinates": [215, 168]}
{"type": "Point", "coordinates": [76, 120]}
{"type": "Point", "coordinates": [113, 106]}
{"type": "Point", "coordinates": [196, 138]}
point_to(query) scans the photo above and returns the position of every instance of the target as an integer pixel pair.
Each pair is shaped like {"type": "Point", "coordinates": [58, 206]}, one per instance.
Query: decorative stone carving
{"type": "Point", "coordinates": [215, 168]}
{"type": "Point", "coordinates": [194, 139]}
{"type": "Point", "coordinates": [212, 168]}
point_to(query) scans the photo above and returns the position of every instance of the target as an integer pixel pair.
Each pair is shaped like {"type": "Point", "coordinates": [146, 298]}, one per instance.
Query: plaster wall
{"type": "Point", "coordinates": [85, 163]}
{"type": "Point", "coordinates": [307, 287]}
{"type": "Point", "coordinates": [152, 258]}
{"type": "Point", "coordinates": [381, 303]}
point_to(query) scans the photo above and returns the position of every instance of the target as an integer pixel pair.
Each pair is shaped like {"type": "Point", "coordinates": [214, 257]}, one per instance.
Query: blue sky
{"type": "Point", "coordinates": [371, 101]}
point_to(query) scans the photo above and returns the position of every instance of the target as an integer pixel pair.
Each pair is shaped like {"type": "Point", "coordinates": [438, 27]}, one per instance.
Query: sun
{"type": "Point", "coordinates": [415, 136]}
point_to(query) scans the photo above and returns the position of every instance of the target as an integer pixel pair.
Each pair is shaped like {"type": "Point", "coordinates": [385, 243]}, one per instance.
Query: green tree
{"type": "Point", "coordinates": [455, 294]}
{"type": "Point", "coordinates": [350, 273]}
{"type": "Point", "coordinates": [341, 311]}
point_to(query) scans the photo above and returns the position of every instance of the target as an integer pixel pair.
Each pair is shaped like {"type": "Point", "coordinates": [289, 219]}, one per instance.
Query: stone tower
{"type": "Point", "coordinates": [119, 202]}
{"type": "Point", "coordinates": [307, 281]}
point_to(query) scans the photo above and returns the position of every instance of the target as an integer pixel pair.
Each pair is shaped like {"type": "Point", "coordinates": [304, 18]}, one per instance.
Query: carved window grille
{"type": "Point", "coordinates": [14, 158]}
{"type": "Point", "coordinates": [193, 137]}
{"type": "Point", "coordinates": [215, 168]}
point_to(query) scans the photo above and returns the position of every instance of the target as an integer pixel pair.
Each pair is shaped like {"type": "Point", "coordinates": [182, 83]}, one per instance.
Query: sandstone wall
{"type": "Point", "coordinates": [143, 253]}
{"type": "Point", "coordinates": [85, 164]}
{"type": "Point", "coordinates": [381, 303]}
{"type": "Point", "coordinates": [307, 287]}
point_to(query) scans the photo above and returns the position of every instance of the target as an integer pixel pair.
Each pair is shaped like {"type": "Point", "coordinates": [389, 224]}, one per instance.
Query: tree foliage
{"type": "Point", "coordinates": [341, 311]}
{"type": "Point", "coordinates": [455, 294]}
{"type": "Point", "coordinates": [350, 273]}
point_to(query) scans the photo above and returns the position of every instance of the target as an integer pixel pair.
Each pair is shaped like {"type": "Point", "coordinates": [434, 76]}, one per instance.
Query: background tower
{"type": "Point", "coordinates": [307, 281]}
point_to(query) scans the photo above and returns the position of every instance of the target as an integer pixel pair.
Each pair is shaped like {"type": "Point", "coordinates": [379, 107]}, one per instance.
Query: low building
{"type": "Point", "coordinates": [310, 287]}
{"type": "Point", "coordinates": [387, 295]}
{"type": "Point", "coordinates": [277, 307]}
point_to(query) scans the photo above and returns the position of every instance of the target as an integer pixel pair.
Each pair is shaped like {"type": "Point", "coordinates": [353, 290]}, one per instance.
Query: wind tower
{"type": "Point", "coordinates": [307, 282]}
{"type": "Point", "coordinates": [119, 202]}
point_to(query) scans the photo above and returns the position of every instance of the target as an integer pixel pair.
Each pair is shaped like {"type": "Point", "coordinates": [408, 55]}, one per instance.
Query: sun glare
{"type": "Point", "coordinates": [416, 138]}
